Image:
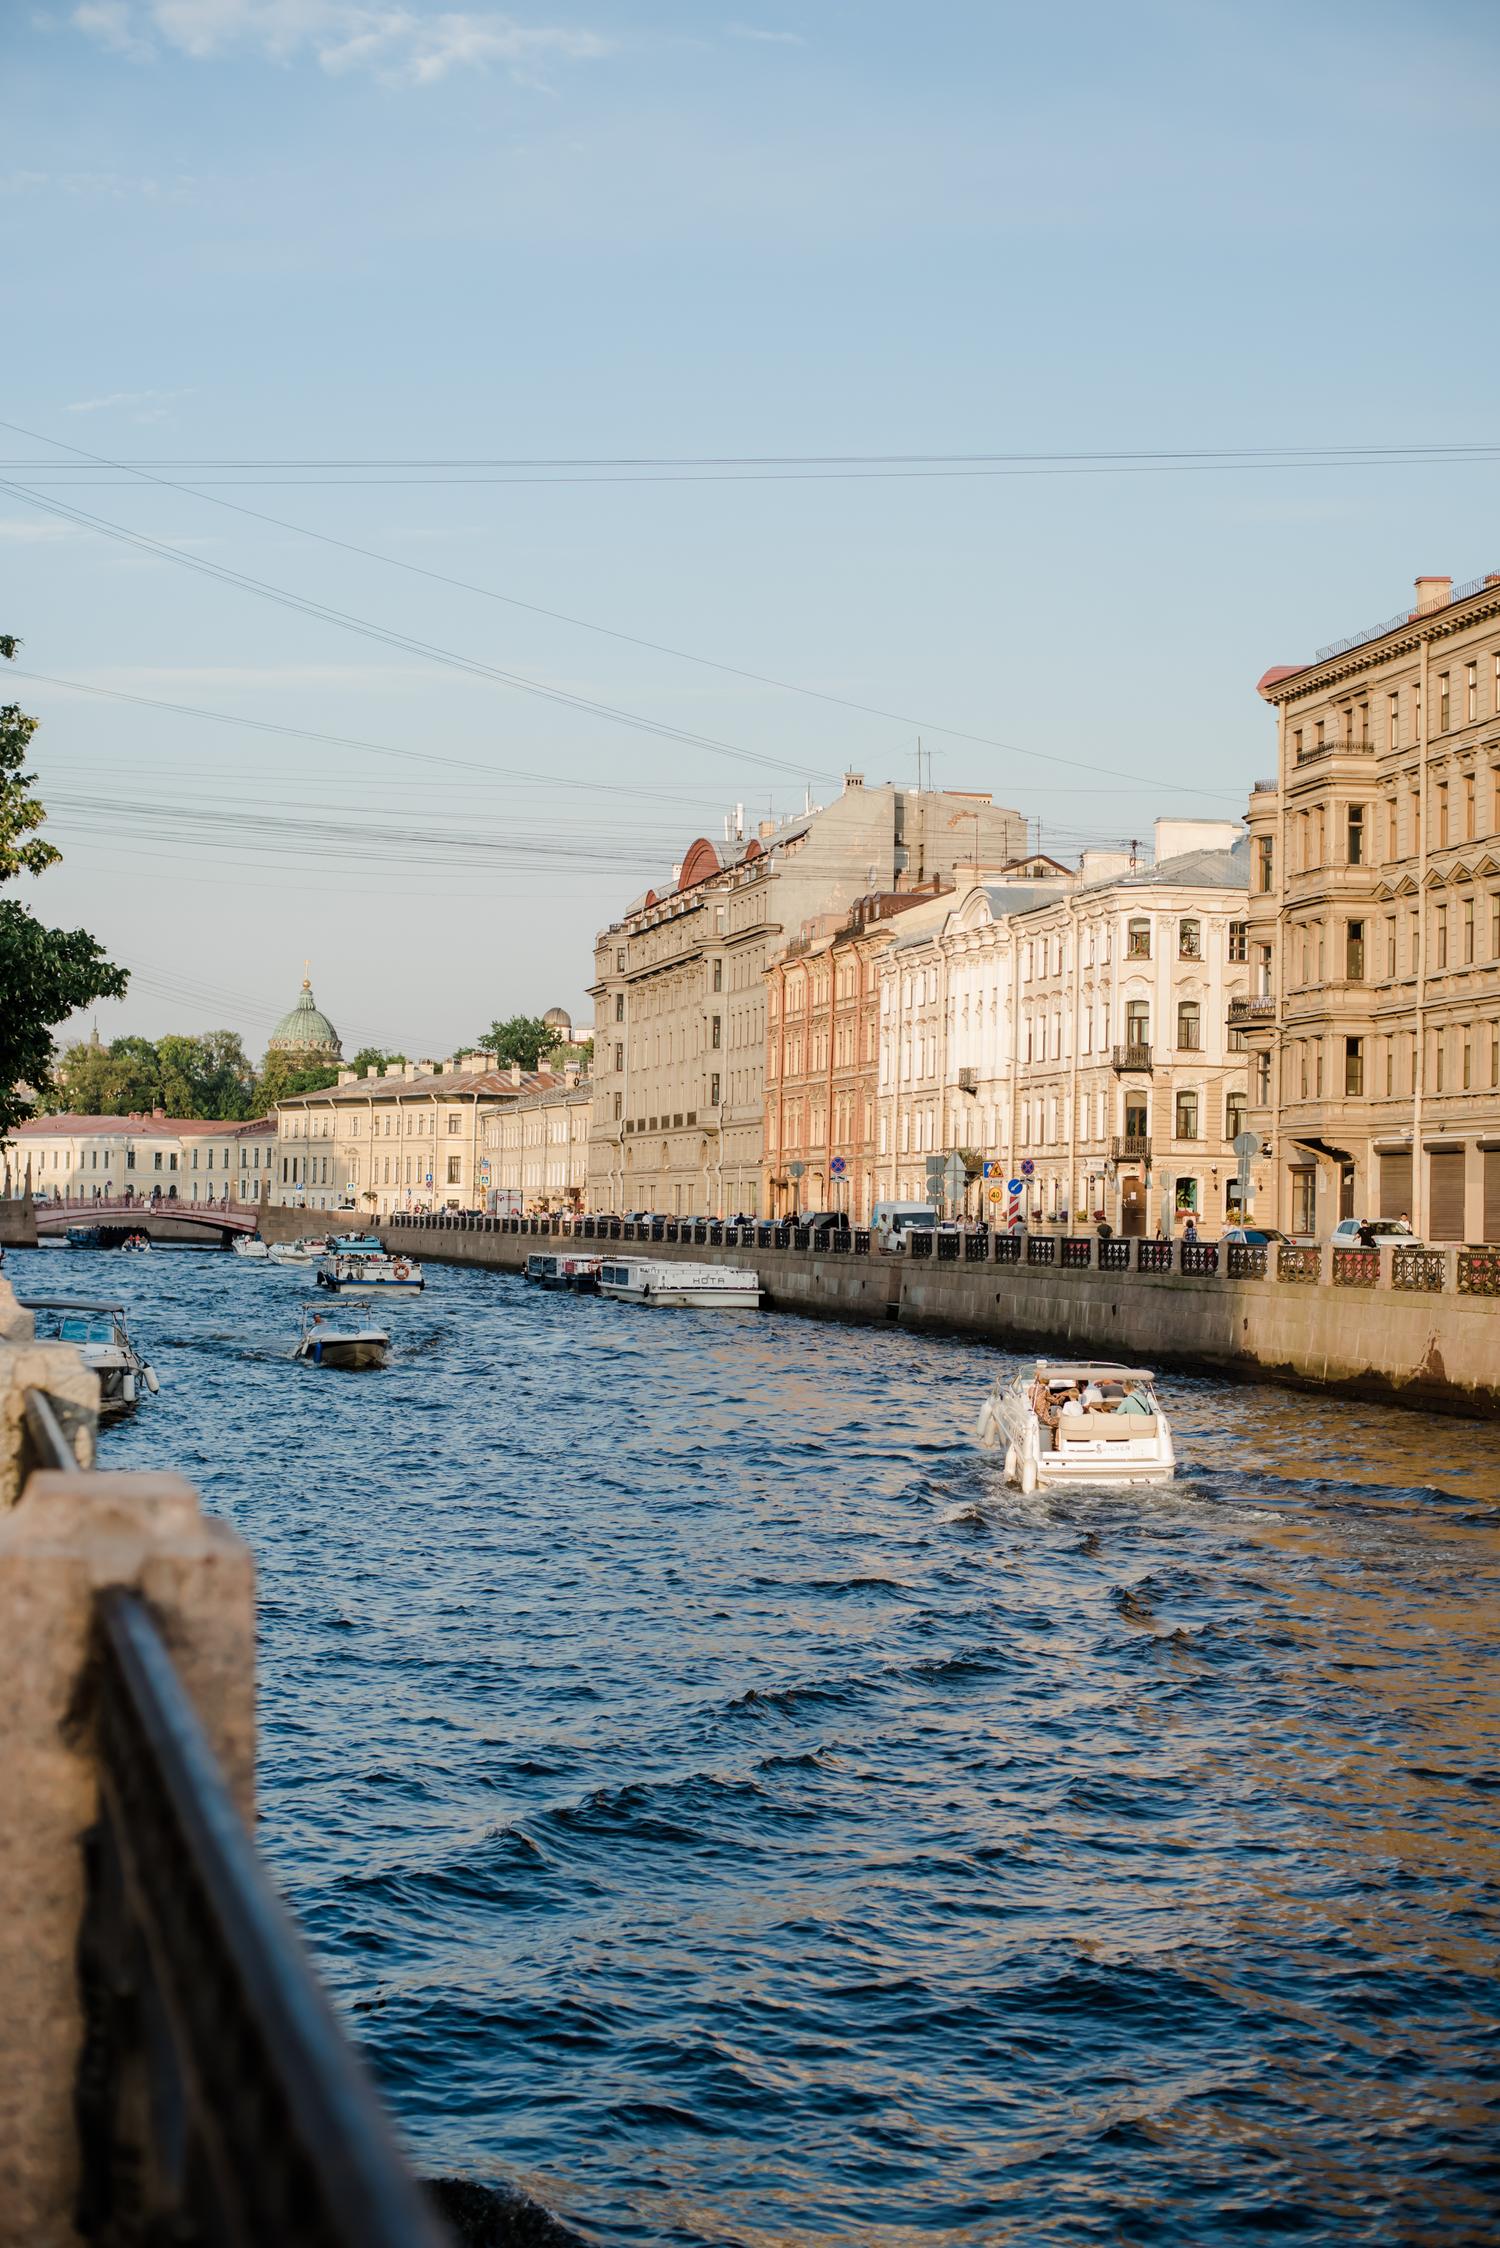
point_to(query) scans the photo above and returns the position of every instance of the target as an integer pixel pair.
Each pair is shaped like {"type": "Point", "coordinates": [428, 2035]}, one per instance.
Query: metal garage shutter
{"type": "Point", "coordinates": [1492, 1194]}
{"type": "Point", "coordinates": [1446, 1195]}
{"type": "Point", "coordinates": [1395, 1186]}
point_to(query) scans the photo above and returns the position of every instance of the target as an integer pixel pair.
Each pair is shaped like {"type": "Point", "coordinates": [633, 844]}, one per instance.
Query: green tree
{"type": "Point", "coordinates": [207, 1075]}
{"type": "Point", "coordinates": [523, 1038]}
{"type": "Point", "coordinates": [282, 1077]}
{"type": "Point", "coordinates": [92, 1079]}
{"type": "Point", "coordinates": [45, 974]}
{"type": "Point", "coordinates": [370, 1057]}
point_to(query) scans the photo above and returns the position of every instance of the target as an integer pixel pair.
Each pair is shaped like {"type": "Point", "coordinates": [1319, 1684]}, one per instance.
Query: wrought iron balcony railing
{"type": "Point", "coordinates": [1131, 1057]}
{"type": "Point", "coordinates": [1243, 1012]}
{"type": "Point", "coordinates": [1130, 1147]}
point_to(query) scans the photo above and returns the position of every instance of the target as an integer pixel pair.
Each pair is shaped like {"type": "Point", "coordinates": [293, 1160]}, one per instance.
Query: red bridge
{"type": "Point", "coordinates": [160, 1221]}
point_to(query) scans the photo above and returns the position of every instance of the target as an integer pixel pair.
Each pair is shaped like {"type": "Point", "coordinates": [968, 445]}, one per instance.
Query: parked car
{"type": "Point", "coordinates": [824, 1221]}
{"type": "Point", "coordinates": [1383, 1233]}
{"type": "Point", "coordinates": [900, 1218]}
{"type": "Point", "coordinates": [1257, 1236]}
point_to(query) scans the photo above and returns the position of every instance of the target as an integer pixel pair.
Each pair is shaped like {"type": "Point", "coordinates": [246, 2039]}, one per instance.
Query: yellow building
{"type": "Point", "coordinates": [140, 1158]}
{"type": "Point", "coordinates": [536, 1149]}
{"type": "Point", "coordinates": [1374, 925]}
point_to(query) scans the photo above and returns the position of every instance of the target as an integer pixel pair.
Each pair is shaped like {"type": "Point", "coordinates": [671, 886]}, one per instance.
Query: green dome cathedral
{"type": "Point", "coordinates": [305, 1032]}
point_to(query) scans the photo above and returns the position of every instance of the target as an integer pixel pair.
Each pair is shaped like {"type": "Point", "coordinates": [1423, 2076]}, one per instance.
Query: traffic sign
{"type": "Point", "coordinates": [1015, 1186]}
{"type": "Point", "coordinates": [795, 1170]}
{"type": "Point", "coordinates": [934, 1168]}
{"type": "Point", "coordinates": [955, 1171]}
{"type": "Point", "coordinates": [997, 1193]}
{"type": "Point", "coordinates": [1247, 1143]}
{"type": "Point", "coordinates": [994, 1167]}
{"type": "Point", "coordinates": [1027, 1167]}
{"type": "Point", "coordinates": [838, 1166]}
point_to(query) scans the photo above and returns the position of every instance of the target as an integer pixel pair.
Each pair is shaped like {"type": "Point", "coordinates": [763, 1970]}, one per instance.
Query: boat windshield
{"type": "Point", "coordinates": [75, 1328]}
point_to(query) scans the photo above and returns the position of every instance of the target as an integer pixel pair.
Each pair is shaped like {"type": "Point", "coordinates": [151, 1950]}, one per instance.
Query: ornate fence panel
{"type": "Point", "coordinates": [1246, 1260]}
{"type": "Point", "coordinates": [1298, 1264]}
{"type": "Point", "coordinates": [1419, 1269]}
{"type": "Point", "coordinates": [1041, 1248]}
{"type": "Point", "coordinates": [919, 1244]}
{"type": "Point", "coordinates": [1008, 1248]}
{"type": "Point", "coordinates": [1114, 1256]}
{"type": "Point", "coordinates": [1153, 1256]}
{"type": "Point", "coordinates": [1479, 1272]}
{"type": "Point", "coordinates": [1077, 1252]}
{"type": "Point", "coordinates": [802, 1237]}
{"type": "Point", "coordinates": [1356, 1268]}
{"type": "Point", "coordinates": [862, 1241]}
{"type": "Point", "coordinates": [977, 1246]}
{"type": "Point", "coordinates": [947, 1248]}
{"type": "Point", "coordinates": [1200, 1258]}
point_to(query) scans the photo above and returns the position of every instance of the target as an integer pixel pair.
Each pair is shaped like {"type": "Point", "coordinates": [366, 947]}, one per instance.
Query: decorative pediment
{"type": "Point", "coordinates": [1486, 867]}
{"type": "Point", "coordinates": [1435, 881]}
{"type": "Point", "coordinates": [1406, 887]}
{"type": "Point", "coordinates": [1459, 874]}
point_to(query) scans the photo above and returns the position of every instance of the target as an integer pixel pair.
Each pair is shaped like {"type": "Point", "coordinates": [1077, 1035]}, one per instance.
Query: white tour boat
{"type": "Point", "coordinates": [251, 1247]}
{"type": "Point", "coordinates": [306, 1251]}
{"type": "Point", "coordinates": [369, 1275]}
{"type": "Point", "coordinates": [97, 1332]}
{"type": "Point", "coordinates": [1079, 1422]}
{"type": "Point", "coordinates": [652, 1280]}
{"type": "Point", "coordinates": [323, 1344]}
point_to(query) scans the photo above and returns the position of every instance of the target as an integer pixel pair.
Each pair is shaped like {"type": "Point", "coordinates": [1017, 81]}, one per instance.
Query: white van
{"type": "Point", "coordinates": [890, 1222]}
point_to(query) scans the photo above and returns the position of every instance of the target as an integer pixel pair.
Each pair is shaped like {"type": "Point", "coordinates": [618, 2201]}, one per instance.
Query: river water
{"type": "Point", "coordinates": [723, 1807]}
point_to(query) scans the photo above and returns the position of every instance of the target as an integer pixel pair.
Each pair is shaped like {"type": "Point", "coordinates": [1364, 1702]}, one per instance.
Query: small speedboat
{"type": "Point", "coordinates": [98, 1334]}
{"type": "Point", "coordinates": [83, 1237]}
{"type": "Point", "coordinates": [251, 1248]}
{"type": "Point", "coordinates": [704, 1287]}
{"type": "Point", "coordinates": [306, 1251]}
{"type": "Point", "coordinates": [136, 1241]}
{"type": "Point", "coordinates": [1078, 1422]}
{"type": "Point", "coordinates": [371, 1275]}
{"type": "Point", "coordinates": [321, 1343]}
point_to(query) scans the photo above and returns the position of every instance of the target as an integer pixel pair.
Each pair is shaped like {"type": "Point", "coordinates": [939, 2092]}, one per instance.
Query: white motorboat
{"type": "Point", "coordinates": [1081, 1421]}
{"type": "Point", "coordinates": [363, 1275]}
{"type": "Point", "coordinates": [306, 1251]}
{"type": "Point", "coordinates": [252, 1249]}
{"type": "Point", "coordinates": [705, 1287]}
{"type": "Point", "coordinates": [321, 1343]}
{"type": "Point", "coordinates": [98, 1334]}
{"type": "Point", "coordinates": [543, 1270]}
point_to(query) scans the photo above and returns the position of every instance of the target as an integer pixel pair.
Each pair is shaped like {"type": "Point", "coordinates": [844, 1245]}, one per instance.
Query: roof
{"type": "Point", "coordinates": [1021, 897]}
{"type": "Point", "coordinates": [453, 1084]}
{"type": "Point", "coordinates": [1189, 870]}
{"type": "Point", "coordinates": [139, 1127]}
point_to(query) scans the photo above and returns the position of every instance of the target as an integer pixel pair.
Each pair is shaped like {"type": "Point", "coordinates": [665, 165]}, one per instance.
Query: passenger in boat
{"type": "Point", "coordinates": [1134, 1401]}
{"type": "Point", "coordinates": [1093, 1395]}
{"type": "Point", "coordinates": [1071, 1408]}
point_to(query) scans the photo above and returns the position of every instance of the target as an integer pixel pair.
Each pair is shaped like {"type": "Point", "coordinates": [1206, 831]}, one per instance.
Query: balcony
{"type": "Point", "coordinates": [1243, 1013]}
{"type": "Point", "coordinates": [1314, 750]}
{"type": "Point", "coordinates": [1131, 1057]}
{"type": "Point", "coordinates": [1130, 1147]}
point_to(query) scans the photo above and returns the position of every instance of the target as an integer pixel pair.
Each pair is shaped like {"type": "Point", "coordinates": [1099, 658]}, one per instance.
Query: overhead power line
{"type": "Point", "coordinates": [656, 647]}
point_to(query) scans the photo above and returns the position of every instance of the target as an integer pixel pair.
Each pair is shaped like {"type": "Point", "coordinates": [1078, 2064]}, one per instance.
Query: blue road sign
{"type": "Point", "coordinates": [838, 1166]}
{"type": "Point", "coordinates": [1027, 1168]}
{"type": "Point", "coordinates": [1015, 1186]}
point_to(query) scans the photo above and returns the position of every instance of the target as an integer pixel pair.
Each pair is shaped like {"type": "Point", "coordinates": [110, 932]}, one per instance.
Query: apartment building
{"type": "Point", "coordinates": [536, 1149]}
{"type": "Point", "coordinates": [74, 1158]}
{"type": "Point", "coordinates": [822, 1060]}
{"type": "Point", "coordinates": [1075, 1032]}
{"type": "Point", "coordinates": [407, 1138]}
{"type": "Point", "coordinates": [1374, 924]}
{"type": "Point", "coordinates": [680, 982]}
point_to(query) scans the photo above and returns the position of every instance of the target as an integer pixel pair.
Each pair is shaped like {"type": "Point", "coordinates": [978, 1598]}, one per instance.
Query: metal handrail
{"type": "Point", "coordinates": [202, 2007]}
{"type": "Point", "coordinates": [46, 1433]}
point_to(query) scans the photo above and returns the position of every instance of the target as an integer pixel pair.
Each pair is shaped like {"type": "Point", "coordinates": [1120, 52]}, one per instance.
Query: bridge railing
{"type": "Point", "coordinates": [172, 2069]}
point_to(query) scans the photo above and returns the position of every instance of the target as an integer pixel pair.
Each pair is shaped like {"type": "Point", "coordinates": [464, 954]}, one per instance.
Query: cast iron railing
{"type": "Point", "coordinates": [217, 2102]}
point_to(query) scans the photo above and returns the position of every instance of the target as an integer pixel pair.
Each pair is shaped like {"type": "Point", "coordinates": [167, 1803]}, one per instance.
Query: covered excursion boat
{"type": "Point", "coordinates": [1082, 1421]}
{"type": "Point", "coordinates": [361, 1275]}
{"type": "Point", "coordinates": [653, 1280]}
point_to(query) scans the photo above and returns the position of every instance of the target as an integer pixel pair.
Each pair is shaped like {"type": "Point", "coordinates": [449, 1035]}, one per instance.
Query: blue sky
{"type": "Point", "coordinates": [308, 232]}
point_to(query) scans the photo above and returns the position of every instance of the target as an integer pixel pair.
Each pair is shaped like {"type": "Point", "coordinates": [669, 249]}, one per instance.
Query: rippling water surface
{"type": "Point", "coordinates": [720, 1804]}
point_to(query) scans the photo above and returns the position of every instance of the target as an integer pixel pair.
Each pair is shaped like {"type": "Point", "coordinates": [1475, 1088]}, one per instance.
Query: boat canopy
{"type": "Point", "coordinates": [67, 1303]}
{"type": "Point", "coordinates": [1088, 1369]}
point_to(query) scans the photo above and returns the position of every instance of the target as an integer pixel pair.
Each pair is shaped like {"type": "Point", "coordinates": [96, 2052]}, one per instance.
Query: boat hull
{"type": "Point", "coordinates": [349, 1353]}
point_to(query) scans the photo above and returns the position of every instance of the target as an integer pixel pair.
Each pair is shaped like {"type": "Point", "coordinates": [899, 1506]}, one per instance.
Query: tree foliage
{"type": "Point", "coordinates": [283, 1077]}
{"type": "Point", "coordinates": [45, 974]}
{"type": "Point", "coordinates": [523, 1039]}
{"type": "Point", "coordinates": [370, 1057]}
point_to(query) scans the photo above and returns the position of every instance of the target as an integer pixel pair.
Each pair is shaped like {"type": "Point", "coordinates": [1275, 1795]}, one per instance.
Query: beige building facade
{"type": "Point", "coordinates": [1073, 1031]}
{"type": "Point", "coordinates": [536, 1150]}
{"type": "Point", "coordinates": [411, 1138]}
{"type": "Point", "coordinates": [680, 983]}
{"type": "Point", "coordinates": [141, 1158]}
{"type": "Point", "coordinates": [1374, 925]}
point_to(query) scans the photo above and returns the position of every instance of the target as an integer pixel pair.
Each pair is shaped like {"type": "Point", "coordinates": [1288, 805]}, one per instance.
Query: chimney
{"type": "Point", "coordinates": [515, 1073]}
{"type": "Point", "coordinates": [854, 780]}
{"type": "Point", "coordinates": [1433, 593]}
{"type": "Point", "coordinates": [766, 830]}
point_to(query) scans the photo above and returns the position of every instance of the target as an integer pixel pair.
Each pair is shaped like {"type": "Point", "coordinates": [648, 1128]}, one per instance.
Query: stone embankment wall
{"type": "Point", "coordinates": [17, 1223]}
{"type": "Point", "coordinates": [1438, 1352]}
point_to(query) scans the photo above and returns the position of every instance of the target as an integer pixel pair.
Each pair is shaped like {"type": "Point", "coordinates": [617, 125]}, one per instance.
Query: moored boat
{"type": "Point", "coordinates": [83, 1237]}
{"type": "Point", "coordinates": [322, 1343]}
{"type": "Point", "coordinates": [581, 1274]}
{"type": "Point", "coordinates": [306, 1251]}
{"type": "Point", "coordinates": [251, 1249]}
{"type": "Point", "coordinates": [705, 1287]}
{"type": "Point", "coordinates": [1081, 1421]}
{"type": "Point", "coordinates": [98, 1333]}
{"type": "Point", "coordinates": [362, 1275]}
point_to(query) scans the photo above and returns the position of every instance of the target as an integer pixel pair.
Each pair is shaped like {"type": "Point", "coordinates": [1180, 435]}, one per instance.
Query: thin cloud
{"type": "Point", "coordinates": [147, 405]}
{"type": "Point", "coordinates": [19, 533]}
{"type": "Point", "coordinates": [390, 41]}
{"type": "Point", "coordinates": [765, 38]}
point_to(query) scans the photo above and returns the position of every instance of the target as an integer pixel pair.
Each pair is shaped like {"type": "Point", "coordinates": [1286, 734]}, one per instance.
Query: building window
{"type": "Point", "coordinates": [1356, 835]}
{"type": "Point", "coordinates": [1234, 1115]}
{"type": "Point", "coordinates": [1354, 952]}
{"type": "Point", "coordinates": [455, 1124]}
{"type": "Point", "coordinates": [156, 1160]}
{"type": "Point", "coordinates": [715, 1032]}
{"type": "Point", "coordinates": [1393, 720]}
{"type": "Point", "coordinates": [1442, 936]}
{"type": "Point", "coordinates": [1468, 932]}
{"type": "Point", "coordinates": [1442, 820]}
{"type": "Point", "coordinates": [1354, 1066]}
{"type": "Point", "coordinates": [1471, 691]}
{"type": "Point", "coordinates": [1262, 1080]}
{"type": "Point", "coordinates": [718, 975]}
{"type": "Point", "coordinates": [1266, 862]}
{"type": "Point", "coordinates": [1189, 1021]}
{"type": "Point", "coordinates": [1297, 744]}
{"type": "Point", "coordinates": [1469, 808]}
{"type": "Point", "coordinates": [1444, 704]}
{"type": "Point", "coordinates": [713, 1090]}
{"type": "Point", "coordinates": [1187, 1116]}
{"type": "Point", "coordinates": [1239, 940]}
{"type": "Point", "coordinates": [619, 1006]}
{"type": "Point", "coordinates": [1137, 1022]}
{"type": "Point", "coordinates": [455, 1164]}
{"type": "Point", "coordinates": [1138, 941]}
{"type": "Point", "coordinates": [1189, 940]}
